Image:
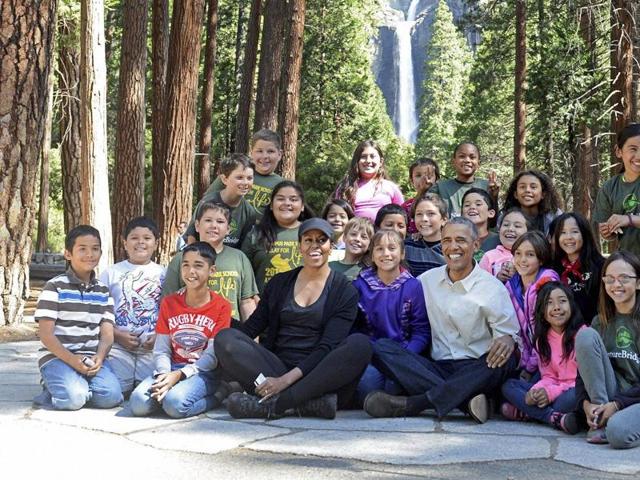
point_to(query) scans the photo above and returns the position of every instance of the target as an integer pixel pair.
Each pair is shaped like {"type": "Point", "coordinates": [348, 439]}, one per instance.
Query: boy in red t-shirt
{"type": "Point", "coordinates": [183, 383]}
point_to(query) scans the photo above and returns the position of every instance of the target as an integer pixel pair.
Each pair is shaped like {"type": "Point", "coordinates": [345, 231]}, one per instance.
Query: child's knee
{"type": "Point", "coordinates": [620, 434]}
{"type": "Point", "coordinates": [585, 339]}
{"type": "Point", "coordinates": [176, 405]}
{"type": "Point", "coordinates": [140, 403]}
{"type": "Point", "coordinates": [70, 397]}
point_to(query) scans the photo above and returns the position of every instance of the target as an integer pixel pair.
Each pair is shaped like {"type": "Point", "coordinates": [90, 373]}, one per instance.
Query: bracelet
{"type": "Point", "coordinates": [630, 217]}
{"type": "Point", "coordinates": [615, 405]}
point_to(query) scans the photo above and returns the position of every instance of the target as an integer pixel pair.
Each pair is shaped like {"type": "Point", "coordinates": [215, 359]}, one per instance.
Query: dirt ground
{"type": "Point", "coordinates": [24, 331]}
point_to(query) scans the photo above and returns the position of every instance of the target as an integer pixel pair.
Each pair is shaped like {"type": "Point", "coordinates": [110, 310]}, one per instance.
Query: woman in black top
{"type": "Point", "coordinates": [307, 357]}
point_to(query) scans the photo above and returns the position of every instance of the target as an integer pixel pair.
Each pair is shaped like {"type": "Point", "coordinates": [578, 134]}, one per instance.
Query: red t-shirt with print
{"type": "Point", "coordinates": [189, 328]}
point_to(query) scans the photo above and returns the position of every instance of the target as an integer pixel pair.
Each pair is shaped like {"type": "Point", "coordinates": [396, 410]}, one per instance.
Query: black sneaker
{"type": "Point", "coordinates": [379, 404]}
{"type": "Point", "coordinates": [321, 407]}
{"type": "Point", "coordinates": [567, 422]}
{"type": "Point", "coordinates": [243, 405]}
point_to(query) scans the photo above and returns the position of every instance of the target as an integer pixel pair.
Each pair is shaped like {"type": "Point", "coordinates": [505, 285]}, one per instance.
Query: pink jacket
{"type": "Point", "coordinates": [559, 374]}
{"type": "Point", "coordinates": [525, 311]}
{"type": "Point", "coordinates": [493, 259]}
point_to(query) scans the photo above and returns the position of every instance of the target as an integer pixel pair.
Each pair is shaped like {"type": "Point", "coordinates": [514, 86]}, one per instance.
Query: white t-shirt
{"type": "Point", "coordinates": [136, 291]}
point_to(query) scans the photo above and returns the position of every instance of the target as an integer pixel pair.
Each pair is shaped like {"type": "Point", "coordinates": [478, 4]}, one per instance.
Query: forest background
{"type": "Point", "coordinates": [111, 109]}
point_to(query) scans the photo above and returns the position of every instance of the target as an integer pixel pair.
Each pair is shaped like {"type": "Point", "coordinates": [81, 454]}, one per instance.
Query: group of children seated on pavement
{"type": "Point", "coordinates": [269, 310]}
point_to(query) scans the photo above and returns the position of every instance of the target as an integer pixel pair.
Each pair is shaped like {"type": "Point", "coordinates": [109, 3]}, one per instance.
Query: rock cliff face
{"type": "Point", "coordinates": [386, 58]}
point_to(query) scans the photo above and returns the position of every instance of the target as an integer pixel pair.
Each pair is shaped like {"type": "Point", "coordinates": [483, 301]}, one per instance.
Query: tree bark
{"type": "Point", "coordinates": [621, 52]}
{"type": "Point", "coordinates": [206, 112]}
{"type": "Point", "coordinates": [96, 209]}
{"type": "Point", "coordinates": [128, 194]}
{"type": "Point", "coordinates": [43, 208]}
{"type": "Point", "coordinates": [26, 42]}
{"type": "Point", "coordinates": [270, 70]}
{"type": "Point", "coordinates": [289, 107]}
{"type": "Point", "coordinates": [520, 108]}
{"type": "Point", "coordinates": [182, 87]}
{"type": "Point", "coordinates": [159, 53]}
{"type": "Point", "coordinates": [70, 143]}
{"type": "Point", "coordinates": [245, 99]}
{"type": "Point", "coordinates": [585, 167]}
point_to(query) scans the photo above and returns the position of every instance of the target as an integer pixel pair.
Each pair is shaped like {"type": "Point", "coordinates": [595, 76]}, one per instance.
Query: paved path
{"type": "Point", "coordinates": [37, 442]}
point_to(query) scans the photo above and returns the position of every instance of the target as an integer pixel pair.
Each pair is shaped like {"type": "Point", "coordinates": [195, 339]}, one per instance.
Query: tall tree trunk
{"type": "Point", "coordinates": [43, 208]}
{"type": "Point", "coordinates": [204, 143]}
{"type": "Point", "coordinates": [182, 87]}
{"type": "Point", "coordinates": [26, 41]}
{"type": "Point", "coordinates": [70, 143]}
{"type": "Point", "coordinates": [270, 69]}
{"type": "Point", "coordinates": [621, 51]}
{"type": "Point", "coordinates": [96, 210]}
{"type": "Point", "coordinates": [289, 105]}
{"type": "Point", "coordinates": [520, 108]}
{"type": "Point", "coordinates": [159, 53]}
{"type": "Point", "coordinates": [128, 194]}
{"type": "Point", "coordinates": [586, 171]}
{"type": "Point", "coordinates": [245, 98]}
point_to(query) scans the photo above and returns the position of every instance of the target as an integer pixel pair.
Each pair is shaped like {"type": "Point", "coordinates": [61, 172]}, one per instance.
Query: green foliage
{"type": "Point", "coordinates": [447, 70]}
{"type": "Point", "coordinates": [566, 86]}
{"type": "Point", "coordinates": [340, 103]}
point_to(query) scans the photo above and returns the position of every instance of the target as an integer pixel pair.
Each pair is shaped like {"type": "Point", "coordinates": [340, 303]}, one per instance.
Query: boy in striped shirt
{"type": "Point", "coordinates": [75, 315]}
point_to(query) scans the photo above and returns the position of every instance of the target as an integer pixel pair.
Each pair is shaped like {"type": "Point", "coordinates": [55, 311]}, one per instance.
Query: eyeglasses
{"type": "Point", "coordinates": [622, 279]}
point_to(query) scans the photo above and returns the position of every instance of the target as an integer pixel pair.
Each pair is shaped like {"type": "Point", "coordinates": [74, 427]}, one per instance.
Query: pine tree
{"type": "Point", "coordinates": [447, 72]}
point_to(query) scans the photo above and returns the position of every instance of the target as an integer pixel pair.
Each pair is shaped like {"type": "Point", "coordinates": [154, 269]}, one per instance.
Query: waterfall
{"type": "Point", "coordinates": [406, 116]}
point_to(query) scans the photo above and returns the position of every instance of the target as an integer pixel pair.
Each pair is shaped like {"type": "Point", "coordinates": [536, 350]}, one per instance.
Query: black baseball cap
{"type": "Point", "coordinates": [315, 224]}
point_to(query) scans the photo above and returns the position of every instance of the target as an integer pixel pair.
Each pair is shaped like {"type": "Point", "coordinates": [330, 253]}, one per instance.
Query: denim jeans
{"type": "Point", "coordinates": [515, 391]}
{"type": "Point", "coordinates": [373, 379]}
{"type": "Point", "coordinates": [448, 384]}
{"type": "Point", "coordinates": [189, 397]}
{"type": "Point", "coordinates": [71, 390]}
{"type": "Point", "coordinates": [130, 367]}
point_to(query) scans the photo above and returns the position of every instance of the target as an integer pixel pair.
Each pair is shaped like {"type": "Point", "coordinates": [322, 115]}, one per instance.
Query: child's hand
{"type": "Point", "coordinates": [507, 270]}
{"type": "Point", "coordinates": [164, 382]}
{"type": "Point", "coordinates": [126, 339]}
{"type": "Point", "coordinates": [590, 412]}
{"type": "Point", "coordinates": [605, 412]}
{"type": "Point", "coordinates": [92, 371]}
{"type": "Point", "coordinates": [616, 223]}
{"type": "Point", "coordinates": [529, 399]}
{"type": "Point", "coordinates": [542, 399]}
{"type": "Point", "coordinates": [494, 184]}
{"type": "Point", "coordinates": [78, 365]}
{"type": "Point", "coordinates": [149, 342]}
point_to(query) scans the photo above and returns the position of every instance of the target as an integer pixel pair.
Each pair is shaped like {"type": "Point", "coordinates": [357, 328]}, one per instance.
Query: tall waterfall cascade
{"type": "Point", "coordinates": [400, 52]}
{"type": "Point", "coordinates": [406, 117]}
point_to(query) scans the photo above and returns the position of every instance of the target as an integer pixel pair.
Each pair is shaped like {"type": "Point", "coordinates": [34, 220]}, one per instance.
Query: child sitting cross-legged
{"type": "Point", "coordinates": [75, 316]}
{"type": "Point", "coordinates": [184, 381]}
{"type": "Point", "coordinates": [552, 399]}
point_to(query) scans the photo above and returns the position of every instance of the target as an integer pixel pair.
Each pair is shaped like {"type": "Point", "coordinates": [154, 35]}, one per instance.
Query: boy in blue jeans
{"type": "Point", "coordinates": [184, 382]}
{"type": "Point", "coordinates": [75, 315]}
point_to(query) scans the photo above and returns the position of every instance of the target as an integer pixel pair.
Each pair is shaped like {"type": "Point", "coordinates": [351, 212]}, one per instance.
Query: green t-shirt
{"type": "Point", "coordinates": [259, 195]}
{"type": "Point", "coordinates": [283, 256]}
{"type": "Point", "coordinates": [233, 279]}
{"type": "Point", "coordinates": [619, 197]}
{"type": "Point", "coordinates": [243, 218]}
{"type": "Point", "coordinates": [349, 270]}
{"type": "Point", "coordinates": [452, 190]}
{"type": "Point", "coordinates": [622, 341]}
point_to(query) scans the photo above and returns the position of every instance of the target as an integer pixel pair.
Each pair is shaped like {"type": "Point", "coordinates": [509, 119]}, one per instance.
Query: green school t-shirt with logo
{"type": "Point", "coordinates": [622, 341]}
{"type": "Point", "coordinates": [233, 279]}
{"type": "Point", "coordinates": [452, 190]}
{"type": "Point", "coordinates": [623, 198]}
{"type": "Point", "coordinates": [243, 218]}
{"type": "Point", "coordinates": [259, 195]}
{"type": "Point", "coordinates": [283, 256]}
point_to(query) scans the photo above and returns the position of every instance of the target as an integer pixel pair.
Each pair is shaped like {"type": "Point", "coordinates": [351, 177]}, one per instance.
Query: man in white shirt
{"type": "Point", "coordinates": [474, 333]}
